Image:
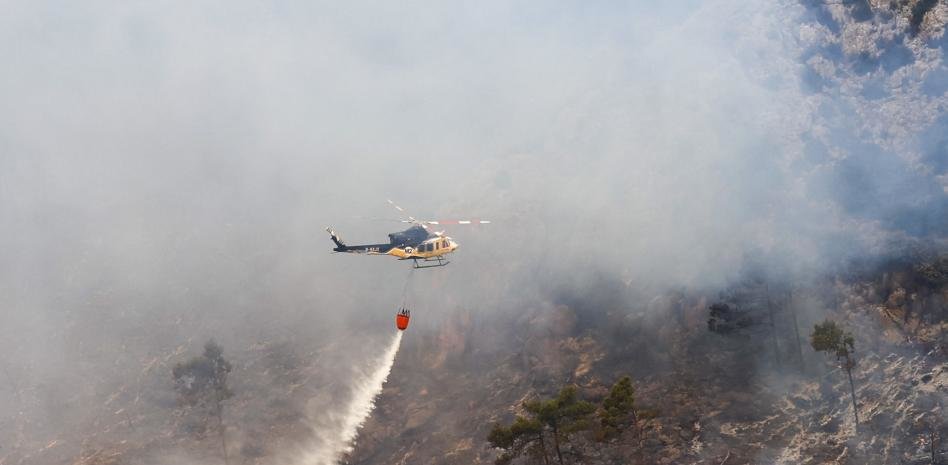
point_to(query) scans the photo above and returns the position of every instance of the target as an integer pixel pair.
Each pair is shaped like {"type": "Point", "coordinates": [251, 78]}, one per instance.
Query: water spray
{"type": "Point", "coordinates": [330, 446]}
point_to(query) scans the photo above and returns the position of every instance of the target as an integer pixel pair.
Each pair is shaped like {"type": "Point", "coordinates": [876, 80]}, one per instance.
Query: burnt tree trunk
{"type": "Point", "coordinates": [556, 443]}
{"type": "Point", "coordinates": [796, 328]}
{"type": "Point", "coordinates": [931, 444]}
{"type": "Point", "coordinates": [773, 327]}
{"type": "Point", "coordinates": [220, 428]}
{"type": "Point", "coordinates": [546, 458]}
{"type": "Point", "coordinates": [852, 389]}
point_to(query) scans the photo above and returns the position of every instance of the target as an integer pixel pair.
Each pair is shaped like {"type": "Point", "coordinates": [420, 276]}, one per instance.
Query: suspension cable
{"type": "Point", "coordinates": [411, 272]}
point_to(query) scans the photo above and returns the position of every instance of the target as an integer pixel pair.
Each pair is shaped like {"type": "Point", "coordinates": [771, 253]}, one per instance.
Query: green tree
{"type": "Point", "coordinates": [830, 337]}
{"type": "Point", "coordinates": [522, 436]}
{"type": "Point", "coordinates": [565, 414]}
{"type": "Point", "coordinates": [557, 418]}
{"type": "Point", "coordinates": [618, 407]}
{"type": "Point", "coordinates": [201, 383]}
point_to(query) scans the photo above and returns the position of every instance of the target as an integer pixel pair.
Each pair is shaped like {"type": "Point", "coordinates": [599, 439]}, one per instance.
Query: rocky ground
{"type": "Point", "coordinates": [711, 404]}
{"type": "Point", "coordinates": [703, 397]}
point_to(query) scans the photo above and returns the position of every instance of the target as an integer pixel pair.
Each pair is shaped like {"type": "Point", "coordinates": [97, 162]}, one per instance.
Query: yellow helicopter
{"type": "Point", "coordinates": [426, 248]}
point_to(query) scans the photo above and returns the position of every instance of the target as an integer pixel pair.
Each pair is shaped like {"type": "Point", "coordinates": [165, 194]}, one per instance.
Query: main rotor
{"type": "Point", "coordinates": [426, 223]}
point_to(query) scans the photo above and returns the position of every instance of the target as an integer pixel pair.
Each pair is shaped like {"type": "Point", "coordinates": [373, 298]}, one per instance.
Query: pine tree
{"type": "Point", "coordinates": [617, 407]}
{"type": "Point", "coordinates": [830, 337]}
{"type": "Point", "coordinates": [202, 383]}
{"type": "Point", "coordinates": [557, 418]}
{"type": "Point", "coordinates": [523, 436]}
{"type": "Point", "coordinates": [564, 415]}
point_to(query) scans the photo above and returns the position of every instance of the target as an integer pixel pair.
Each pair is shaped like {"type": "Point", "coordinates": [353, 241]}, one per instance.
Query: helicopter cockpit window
{"type": "Point", "coordinates": [444, 243]}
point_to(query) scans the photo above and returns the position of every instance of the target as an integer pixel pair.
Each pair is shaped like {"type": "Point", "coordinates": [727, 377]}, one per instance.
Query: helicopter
{"type": "Point", "coordinates": [426, 248]}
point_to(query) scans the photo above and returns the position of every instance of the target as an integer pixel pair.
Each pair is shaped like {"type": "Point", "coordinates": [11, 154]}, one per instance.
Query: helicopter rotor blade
{"type": "Point", "coordinates": [426, 223]}
{"type": "Point", "coordinates": [442, 222]}
{"type": "Point", "coordinates": [402, 210]}
{"type": "Point", "coordinates": [377, 218]}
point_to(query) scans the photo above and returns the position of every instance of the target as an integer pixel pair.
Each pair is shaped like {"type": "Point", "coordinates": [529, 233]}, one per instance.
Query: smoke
{"type": "Point", "coordinates": [336, 430]}
{"type": "Point", "coordinates": [166, 172]}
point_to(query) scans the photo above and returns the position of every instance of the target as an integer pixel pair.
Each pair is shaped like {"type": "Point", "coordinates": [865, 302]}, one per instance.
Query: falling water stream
{"type": "Point", "coordinates": [331, 445]}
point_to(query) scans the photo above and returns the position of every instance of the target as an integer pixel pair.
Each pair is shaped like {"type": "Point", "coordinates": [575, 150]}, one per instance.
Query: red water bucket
{"type": "Point", "coordinates": [401, 321]}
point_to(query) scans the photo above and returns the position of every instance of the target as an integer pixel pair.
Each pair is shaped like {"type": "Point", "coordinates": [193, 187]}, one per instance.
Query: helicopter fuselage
{"type": "Point", "coordinates": [414, 243]}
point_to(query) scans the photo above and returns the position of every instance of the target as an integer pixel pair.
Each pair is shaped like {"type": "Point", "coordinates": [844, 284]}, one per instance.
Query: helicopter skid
{"type": "Point", "coordinates": [435, 262]}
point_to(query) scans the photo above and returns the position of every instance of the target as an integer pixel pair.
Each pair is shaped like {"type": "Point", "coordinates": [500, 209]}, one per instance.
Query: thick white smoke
{"type": "Point", "coordinates": [337, 438]}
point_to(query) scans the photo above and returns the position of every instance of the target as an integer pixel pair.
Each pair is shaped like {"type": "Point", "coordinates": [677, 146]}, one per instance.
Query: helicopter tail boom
{"type": "Point", "coordinates": [362, 248]}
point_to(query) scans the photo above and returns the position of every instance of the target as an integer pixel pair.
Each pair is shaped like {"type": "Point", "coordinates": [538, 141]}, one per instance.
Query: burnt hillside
{"type": "Point", "coordinates": [713, 395]}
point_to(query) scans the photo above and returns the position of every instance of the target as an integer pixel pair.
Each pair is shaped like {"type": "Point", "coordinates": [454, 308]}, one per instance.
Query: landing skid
{"type": "Point", "coordinates": [435, 262]}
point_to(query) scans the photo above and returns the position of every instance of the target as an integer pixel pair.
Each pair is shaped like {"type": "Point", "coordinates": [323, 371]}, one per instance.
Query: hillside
{"type": "Point", "coordinates": [714, 396]}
